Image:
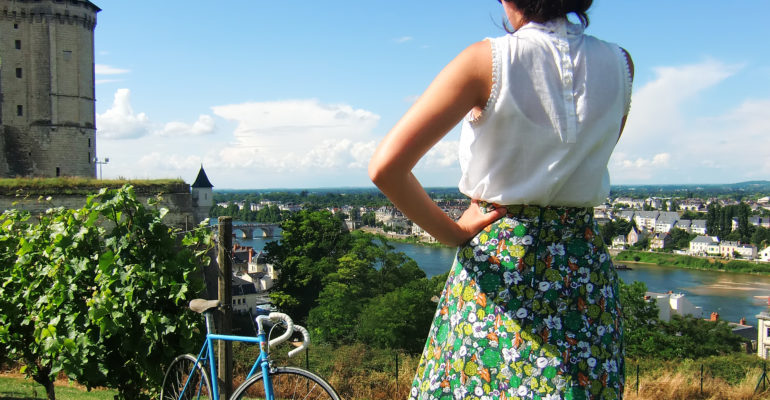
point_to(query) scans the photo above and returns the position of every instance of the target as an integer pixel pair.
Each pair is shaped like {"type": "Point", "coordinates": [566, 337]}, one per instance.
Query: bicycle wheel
{"type": "Point", "coordinates": [289, 383]}
{"type": "Point", "coordinates": [176, 378]}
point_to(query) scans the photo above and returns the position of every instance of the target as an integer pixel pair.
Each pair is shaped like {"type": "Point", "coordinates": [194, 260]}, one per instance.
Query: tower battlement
{"type": "Point", "coordinates": [69, 12]}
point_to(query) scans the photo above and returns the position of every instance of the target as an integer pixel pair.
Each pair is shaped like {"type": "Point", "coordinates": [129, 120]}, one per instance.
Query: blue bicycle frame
{"type": "Point", "coordinates": [207, 354]}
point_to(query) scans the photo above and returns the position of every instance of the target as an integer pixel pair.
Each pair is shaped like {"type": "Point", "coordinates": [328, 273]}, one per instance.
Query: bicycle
{"type": "Point", "coordinates": [188, 378]}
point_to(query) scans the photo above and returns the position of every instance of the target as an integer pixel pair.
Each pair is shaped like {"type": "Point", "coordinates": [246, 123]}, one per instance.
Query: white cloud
{"type": "Point", "coordinates": [403, 39]}
{"type": "Point", "coordinates": [203, 126]}
{"type": "Point", "coordinates": [442, 155]}
{"type": "Point", "coordinates": [101, 69]}
{"type": "Point", "coordinates": [103, 81]}
{"type": "Point", "coordinates": [120, 121]}
{"type": "Point", "coordinates": [668, 139]}
{"type": "Point", "coordinates": [297, 135]}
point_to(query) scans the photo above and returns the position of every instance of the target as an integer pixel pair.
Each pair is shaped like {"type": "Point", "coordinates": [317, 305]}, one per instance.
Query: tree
{"type": "Point", "coordinates": [400, 318]}
{"type": "Point", "coordinates": [681, 337]}
{"type": "Point", "coordinates": [680, 239]}
{"type": "Point", "coordinates": [98, 293]}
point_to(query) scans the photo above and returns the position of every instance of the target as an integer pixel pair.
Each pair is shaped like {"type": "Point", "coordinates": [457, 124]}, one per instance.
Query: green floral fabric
{"type": "Point", "coordinates": [530, 311]}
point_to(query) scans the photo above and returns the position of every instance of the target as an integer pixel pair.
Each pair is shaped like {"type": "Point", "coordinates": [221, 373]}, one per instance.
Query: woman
{"type": "Point", "coordinates": [530, 309]}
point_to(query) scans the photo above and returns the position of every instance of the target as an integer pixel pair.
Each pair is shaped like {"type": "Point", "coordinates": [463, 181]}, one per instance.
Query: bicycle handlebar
{"type": "Point", "coordinates": [305, 340]}
{"type": "Point", "coordinates": [276, 316]}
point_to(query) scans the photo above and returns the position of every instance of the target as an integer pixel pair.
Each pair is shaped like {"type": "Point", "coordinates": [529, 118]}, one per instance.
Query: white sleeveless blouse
{"type": "Point", "coordinates": [552, 119]}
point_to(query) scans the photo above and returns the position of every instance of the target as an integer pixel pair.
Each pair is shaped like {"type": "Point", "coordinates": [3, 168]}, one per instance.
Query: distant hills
{"type": "Point", "coordinates": [741, 189]}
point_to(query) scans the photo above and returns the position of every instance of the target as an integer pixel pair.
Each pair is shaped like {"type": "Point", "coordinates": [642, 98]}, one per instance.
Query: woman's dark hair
{"type": "Point", "coordinates": [545, 10]}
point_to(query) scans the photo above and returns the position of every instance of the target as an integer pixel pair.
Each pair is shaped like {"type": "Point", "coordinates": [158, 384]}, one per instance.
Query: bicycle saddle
{"type": "Point", "coordinates": [201, 305]}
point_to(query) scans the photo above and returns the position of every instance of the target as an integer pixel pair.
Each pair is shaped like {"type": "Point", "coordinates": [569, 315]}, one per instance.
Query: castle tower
{"type": "Point", "coordinates": [47, 117]}
{"type": "Point", "coordinates": [202, 195]}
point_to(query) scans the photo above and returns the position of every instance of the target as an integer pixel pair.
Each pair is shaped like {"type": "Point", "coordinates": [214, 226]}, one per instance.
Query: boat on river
{"type": "Point", "coordinates": [623, 267]}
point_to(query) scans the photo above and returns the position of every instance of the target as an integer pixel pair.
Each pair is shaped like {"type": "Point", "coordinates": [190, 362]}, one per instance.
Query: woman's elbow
{"type": "Point", "coordinates": [377, 171]}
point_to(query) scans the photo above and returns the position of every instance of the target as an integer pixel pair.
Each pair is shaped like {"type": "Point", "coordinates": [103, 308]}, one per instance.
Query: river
{"type": "Point", "coordinates": [732, 295]}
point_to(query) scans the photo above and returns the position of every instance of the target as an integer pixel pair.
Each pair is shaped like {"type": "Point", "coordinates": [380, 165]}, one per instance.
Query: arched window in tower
{"type": "Point", "coordinates": [18, 44]}
{"type": "Point", "coordinates": [58, 171]}
{"type": "Point", "coordinates": [18, 72]}
{"type": "Point", "coordinates": [20, 110]}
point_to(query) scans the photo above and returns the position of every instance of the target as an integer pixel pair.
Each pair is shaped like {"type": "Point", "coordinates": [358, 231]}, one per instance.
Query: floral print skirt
{"type": "Point", "coordinates": [530, 311]}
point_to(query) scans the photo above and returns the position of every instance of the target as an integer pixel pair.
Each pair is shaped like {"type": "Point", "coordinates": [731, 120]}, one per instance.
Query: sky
{"type": "Point", "coordinates": [283, 94]}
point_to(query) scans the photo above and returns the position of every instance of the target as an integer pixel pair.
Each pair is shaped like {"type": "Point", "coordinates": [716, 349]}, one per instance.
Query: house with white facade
{"type": "Point", "coordinates": [646, 219]}
{"type": "Point", "coordinates": [659, 240]}
{"type": "Point", "coordinates": [619, 242]}
{"type": "Point", "coordinates": [633, 203]}
{"type": "Point", "coordinates": [727, 248]}
{"type": "Point", "coordinates": [602, 212]}
{"type": "Point", "coordinates": [244, 295]}
{"type": "Point", "coordinates": [764, 255]}
{"type": "Point", "coordinates": [698, 226]}
{"type": "Point", "coordinates": [763, 335]}
{"type": "Point", "coordinates": [747, 251]}
{"type": "Point", "coordinates": [684, 224]}
{"type": "Point", "coordinates": [654, 202]}
{"type": "Point", "coordinates": [760, 221]}
{"type": "Point", "coordinates": [700, 245]}
{"type": "Point", "coordinates": [626, 215]}
{"type": "Point", "coordinates": [666, 221]}
{"type": "Point", "coordinates": [674, 303]}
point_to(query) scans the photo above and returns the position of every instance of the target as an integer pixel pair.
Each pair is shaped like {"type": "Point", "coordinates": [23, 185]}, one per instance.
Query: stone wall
{"type": "Point", "coordinates": [179, 203]}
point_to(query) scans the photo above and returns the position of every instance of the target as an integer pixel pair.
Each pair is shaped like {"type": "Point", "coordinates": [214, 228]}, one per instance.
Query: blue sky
{"type": "Point", "coordinates": [297, 94]}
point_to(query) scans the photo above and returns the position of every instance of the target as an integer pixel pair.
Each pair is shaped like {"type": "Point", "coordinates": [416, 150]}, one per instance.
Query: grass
{"type": "Point", "coordinates": [16, 387]}
{"type": "Point", "coordinates": [75, 185]}
{"type": "Point", "coordinates": [362, 372]}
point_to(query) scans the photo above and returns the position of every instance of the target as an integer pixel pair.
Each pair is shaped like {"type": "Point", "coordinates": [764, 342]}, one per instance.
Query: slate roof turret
{"type": "Point", "coordinates": [202, 181]}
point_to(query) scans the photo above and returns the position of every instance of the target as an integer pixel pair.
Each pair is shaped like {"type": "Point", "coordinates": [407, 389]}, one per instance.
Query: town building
{"type": "Point", "coordinates": [764, 255]}
{"type": "Point", "coordinates": [673, 303]}
{"type": "Point", "coordinates": [47, 114]}
{"type": "Point", "coordinates": [763, 335]}
{"type": "Point", "coordinates": [660, 240]}
{"type": "Point", "coordinates": [700, 245]}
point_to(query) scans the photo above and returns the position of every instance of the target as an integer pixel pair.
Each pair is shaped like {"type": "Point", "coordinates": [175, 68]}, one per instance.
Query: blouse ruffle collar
{"type": "Point", "coordinates": [560, 27]}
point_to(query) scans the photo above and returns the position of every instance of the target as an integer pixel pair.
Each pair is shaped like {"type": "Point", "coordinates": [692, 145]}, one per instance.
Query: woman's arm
{"type": "Point", "coordinates": [463, 85]}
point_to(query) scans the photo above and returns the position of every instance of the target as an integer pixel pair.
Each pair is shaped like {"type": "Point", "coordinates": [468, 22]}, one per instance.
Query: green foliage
{"type": "Point", "coordinates": [400, 318]}
{"type": "Point", "coordinates": [645, 336]}
{"type": "Point", "coordinates": [311, 242]}
{"type": "Point", "coordinates": [680, 239]}
{"type": "Point", "coordinates": [615, 228]}
{"type": "Point", "coordinates": [350, 286]}
{"type": "Point", "coordinates": [98, 293]}
{"type": "Point", "coordinates": [85, 186]}
{"type": "Point", "coordinates": [683, 261]}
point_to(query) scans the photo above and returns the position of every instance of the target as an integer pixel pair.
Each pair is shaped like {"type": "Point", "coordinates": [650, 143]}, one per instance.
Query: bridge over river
{"type": "Point", "coordinates": [247, 229]}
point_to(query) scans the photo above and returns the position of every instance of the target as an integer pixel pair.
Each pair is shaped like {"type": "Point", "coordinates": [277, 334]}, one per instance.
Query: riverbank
{"type": "Point", "coordinates": [691, 262]}
{"type": "Point", "coordinates": [400, 238]}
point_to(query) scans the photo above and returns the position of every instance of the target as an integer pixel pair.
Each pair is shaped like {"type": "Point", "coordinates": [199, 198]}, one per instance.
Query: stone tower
{"type": "Point", "coordinates": [47, 88]}
{"type": "Point", "coordinates": [202, 196]}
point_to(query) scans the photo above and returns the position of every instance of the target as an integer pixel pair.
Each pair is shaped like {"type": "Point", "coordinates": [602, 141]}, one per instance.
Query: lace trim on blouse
{"type": "Point", "coordinates": [495, 92]}
{"type": "Point", "coordinates": [627, 80]}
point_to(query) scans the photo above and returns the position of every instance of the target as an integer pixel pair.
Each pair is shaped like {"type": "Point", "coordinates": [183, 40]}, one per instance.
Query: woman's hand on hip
{"type": "Point", "coordinates": [474, 220]}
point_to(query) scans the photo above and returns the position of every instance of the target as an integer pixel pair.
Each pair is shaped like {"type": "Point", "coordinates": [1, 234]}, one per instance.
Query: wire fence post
{"type": "Point", "coordinates": [701, 380]}
{"type": "Point", "coordinates": [637, 379]}
{"type": "Point", "coordinates": [224, 292]}
{"type": "Point", "coordinates": [396, 371]}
